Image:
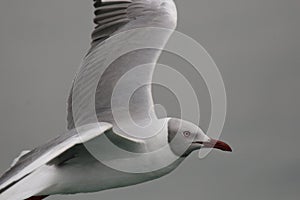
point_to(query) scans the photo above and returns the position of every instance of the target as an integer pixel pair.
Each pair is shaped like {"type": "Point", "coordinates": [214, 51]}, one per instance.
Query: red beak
{"type": "Point", "coordinates": [217, 144]}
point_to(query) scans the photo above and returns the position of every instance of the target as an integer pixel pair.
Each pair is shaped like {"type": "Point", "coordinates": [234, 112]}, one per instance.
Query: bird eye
{"type": "Point", "coordinates": [186, 133]}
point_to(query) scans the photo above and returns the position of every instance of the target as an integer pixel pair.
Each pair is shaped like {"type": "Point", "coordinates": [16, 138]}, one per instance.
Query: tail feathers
{"type": "Point", "coordinates": [37, 198]}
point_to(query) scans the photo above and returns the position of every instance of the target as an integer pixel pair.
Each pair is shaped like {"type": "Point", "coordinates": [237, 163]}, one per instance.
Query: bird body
{"type": "Point", "coordinates": [98, 177]}
{"type": "Point", "coordinates": [76, 170]}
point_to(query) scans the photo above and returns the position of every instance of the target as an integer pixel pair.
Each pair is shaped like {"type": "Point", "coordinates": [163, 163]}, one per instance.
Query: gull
{"type": "Point", "coordinates": [99, 122]}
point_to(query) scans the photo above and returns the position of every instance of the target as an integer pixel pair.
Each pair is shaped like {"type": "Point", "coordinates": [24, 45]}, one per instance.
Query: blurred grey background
{"type": "Point", "coordinates": [255, 44]}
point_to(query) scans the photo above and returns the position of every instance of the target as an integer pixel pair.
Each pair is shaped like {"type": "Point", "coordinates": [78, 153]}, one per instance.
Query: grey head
{"type": "Point", "coordinates": [185, 137]}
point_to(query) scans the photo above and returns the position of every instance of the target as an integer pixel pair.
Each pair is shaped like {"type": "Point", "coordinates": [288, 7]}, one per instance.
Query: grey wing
{"type": "Point", "coordinates": [129, 33]}
{"type": "Point", "coordinates": [46, 153]}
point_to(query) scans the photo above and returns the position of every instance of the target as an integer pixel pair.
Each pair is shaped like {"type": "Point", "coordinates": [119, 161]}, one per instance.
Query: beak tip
{"type": "Point", "coordinates": [223, 146]}
{"type": "Point", "coordinates": [217, 144]}
{"type": "Point", "coordinates": [229, 149]}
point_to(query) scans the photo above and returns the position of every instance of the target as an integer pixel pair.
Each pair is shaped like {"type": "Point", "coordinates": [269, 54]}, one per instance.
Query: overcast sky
{"type": "Point", "coordinates": [255, 44]}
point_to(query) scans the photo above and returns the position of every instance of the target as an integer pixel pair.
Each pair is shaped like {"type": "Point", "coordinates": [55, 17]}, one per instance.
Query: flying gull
{"type": "Point", "coordinates": [97, 113]}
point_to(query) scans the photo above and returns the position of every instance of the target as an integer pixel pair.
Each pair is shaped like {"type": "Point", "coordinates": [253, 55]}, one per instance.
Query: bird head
{"type": "Point", "coordinates": [185, 137]}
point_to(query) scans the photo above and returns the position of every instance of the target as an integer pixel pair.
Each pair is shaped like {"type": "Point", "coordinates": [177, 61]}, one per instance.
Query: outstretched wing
{"type": "Point", "coordinates": [46, 153]}
{"type": "Point", "coordinates": [114, 81]}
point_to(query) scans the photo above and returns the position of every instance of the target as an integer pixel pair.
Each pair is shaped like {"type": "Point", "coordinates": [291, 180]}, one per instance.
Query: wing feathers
{"type": "Point", "coordinates": [110, 8]}
{"type": "Point", "coordinates": [18, 158]}
{"type": "Point", "coordinates": [109, 16]}
{"type": "Point", "coordinates": [100, 20]}
{"type": "Point", "coordinates": [113, 17]}
{"type": "Point", "coordinates": [42, 155]}
{"type": "Point", "coordinates": [101, 28]}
